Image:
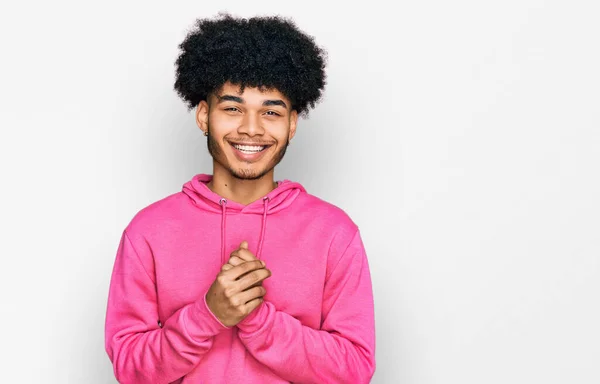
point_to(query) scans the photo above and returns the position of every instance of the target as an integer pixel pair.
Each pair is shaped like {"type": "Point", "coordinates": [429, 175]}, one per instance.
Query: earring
{"type": "Point", "coordinates": [206, 133]}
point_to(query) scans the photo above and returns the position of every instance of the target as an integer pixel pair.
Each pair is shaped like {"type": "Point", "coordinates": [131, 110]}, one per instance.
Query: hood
{"type": "Point", "coordinates": [278, 199]}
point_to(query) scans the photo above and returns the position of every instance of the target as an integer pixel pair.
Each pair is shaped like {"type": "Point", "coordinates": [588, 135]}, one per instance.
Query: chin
{"type": "Point", "coordinates": [247, 174]}
{"type": "Point", "coordinates": [249, 171]}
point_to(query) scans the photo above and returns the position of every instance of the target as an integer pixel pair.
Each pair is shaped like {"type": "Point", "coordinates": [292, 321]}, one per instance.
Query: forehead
{"type": "Point", "coordinates": [251, 94]}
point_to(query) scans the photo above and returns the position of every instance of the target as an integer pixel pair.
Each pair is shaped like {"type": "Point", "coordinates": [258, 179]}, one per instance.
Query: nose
{"type": "Point", "coordinates": [251, 125]}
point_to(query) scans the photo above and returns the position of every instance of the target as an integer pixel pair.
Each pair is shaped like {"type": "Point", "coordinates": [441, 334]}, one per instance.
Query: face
{"type": "Point", "coordinates": [248, 132]}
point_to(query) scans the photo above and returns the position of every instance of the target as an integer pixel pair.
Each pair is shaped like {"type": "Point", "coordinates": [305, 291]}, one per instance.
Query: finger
{"type": "Point", "coordinates": [243, 245]}
{"type": "Point", "coordinates": [259, 284]}
{"type": "Point", "coordinates": [243, 254]}
{"type": "Point", "coordinates": [243, 268]}
{"type": "Point", "coordinates": [252, 278]}
{"type": "Point", "coordinates": [226, 267]}
{"type": "Point", "coordinates": [234, 261]}
{"type": "Point", "coordinates": [252, 305]}
{"type": "Point", "coordinates": [255, 285]}
{"type": "Point", "coordinates": [248, 295]}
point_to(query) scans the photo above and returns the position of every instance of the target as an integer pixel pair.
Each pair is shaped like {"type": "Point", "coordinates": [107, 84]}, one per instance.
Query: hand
{"type": "Point", "coordinates": [239, 256]}
{"type": "Point", "coordinates": [237, 291]}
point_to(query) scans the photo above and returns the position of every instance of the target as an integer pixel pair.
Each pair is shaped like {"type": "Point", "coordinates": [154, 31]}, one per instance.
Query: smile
{"type": "Point", "coordinates": [249, 148]}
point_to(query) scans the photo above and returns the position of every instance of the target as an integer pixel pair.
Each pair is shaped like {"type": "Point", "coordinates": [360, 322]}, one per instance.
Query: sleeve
{"type": "Point", "coordinates": [140, 350]}
{"type": "Point", "coordinates": [342, 351]}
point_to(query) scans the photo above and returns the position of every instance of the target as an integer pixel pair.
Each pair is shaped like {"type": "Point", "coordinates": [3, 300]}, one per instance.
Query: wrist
{"type": "Point", "coordinates": [212, 314]}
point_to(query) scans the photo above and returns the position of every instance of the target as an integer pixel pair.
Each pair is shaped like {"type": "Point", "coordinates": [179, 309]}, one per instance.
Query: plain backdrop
{"type": "Point", "coordinates": [462, 137]}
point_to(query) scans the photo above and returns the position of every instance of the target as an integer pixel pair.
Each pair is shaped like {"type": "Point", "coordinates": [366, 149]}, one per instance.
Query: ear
{"type": "Point", "coordinates": [202, 115]}
{"type": "Point", "coordinates": [293, 123]}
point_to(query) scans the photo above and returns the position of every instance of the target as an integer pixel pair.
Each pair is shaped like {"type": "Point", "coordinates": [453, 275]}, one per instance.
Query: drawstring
{"type": "Point", "coordinates": [223, 204]}
{"type": "Point", "coordinates": [263, 227]}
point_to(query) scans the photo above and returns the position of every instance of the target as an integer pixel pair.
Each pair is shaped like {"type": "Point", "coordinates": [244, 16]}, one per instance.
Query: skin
{"type": "Point", "coordinates": [237, 291]}
{"type": "Point", "coordinates": [230, 115]}
{"type": "Point", "coordinates": [260, 117]}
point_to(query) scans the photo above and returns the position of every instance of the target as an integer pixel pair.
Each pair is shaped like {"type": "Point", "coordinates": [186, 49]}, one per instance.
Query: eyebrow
{"type": "Point", "coordinates": [230, 98]}
{"type": "Point", "coordinates": [238, 99]}
{"type": "Point", "coordinates": [268, 103]}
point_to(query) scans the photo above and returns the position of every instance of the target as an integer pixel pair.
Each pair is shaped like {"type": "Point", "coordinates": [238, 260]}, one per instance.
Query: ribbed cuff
{"type": "Point", "coordinates": [256, 321]}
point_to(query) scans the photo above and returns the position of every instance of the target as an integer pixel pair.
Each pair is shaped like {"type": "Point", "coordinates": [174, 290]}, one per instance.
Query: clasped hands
{"type": "Point", "coordinates": [237, 290]}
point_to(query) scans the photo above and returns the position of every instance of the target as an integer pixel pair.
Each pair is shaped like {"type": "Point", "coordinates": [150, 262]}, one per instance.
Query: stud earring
{"type": "Point", "coordinates": [206, 133]}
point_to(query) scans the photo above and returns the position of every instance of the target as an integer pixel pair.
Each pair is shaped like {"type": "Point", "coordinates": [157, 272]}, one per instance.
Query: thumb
{"type": "Point", "coordinates": [244, 244]}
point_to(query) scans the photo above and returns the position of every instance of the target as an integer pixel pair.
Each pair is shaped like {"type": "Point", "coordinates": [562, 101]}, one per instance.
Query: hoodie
{"type": "Point", "coordinates": [315, 325]}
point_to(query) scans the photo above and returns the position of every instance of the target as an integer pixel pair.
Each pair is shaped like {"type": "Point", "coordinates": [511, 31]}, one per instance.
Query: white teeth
{"type": "Point", "coordinates": [249, 148]}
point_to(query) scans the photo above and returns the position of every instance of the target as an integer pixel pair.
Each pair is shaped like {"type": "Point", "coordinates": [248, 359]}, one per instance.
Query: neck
{"type": "Point", "coordinates": [240, 190]}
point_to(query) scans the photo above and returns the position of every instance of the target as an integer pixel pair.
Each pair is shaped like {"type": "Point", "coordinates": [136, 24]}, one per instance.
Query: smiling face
{"type": "Point", "coordinates": [248, 132]}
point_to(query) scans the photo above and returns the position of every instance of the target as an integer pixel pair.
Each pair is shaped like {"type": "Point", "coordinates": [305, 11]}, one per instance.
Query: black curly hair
{"type": "Point", "coordinates": [267, 52]}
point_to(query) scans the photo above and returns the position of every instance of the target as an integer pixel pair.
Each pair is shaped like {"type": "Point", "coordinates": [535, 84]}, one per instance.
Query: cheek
{"type": "Point", "coordinates": [279, 130]}
{"type": "Point", "coordinates": [223, 124]}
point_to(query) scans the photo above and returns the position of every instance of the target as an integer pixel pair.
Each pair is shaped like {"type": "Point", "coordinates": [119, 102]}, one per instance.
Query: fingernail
{"type": "Point", "coordinates": [263, 263]}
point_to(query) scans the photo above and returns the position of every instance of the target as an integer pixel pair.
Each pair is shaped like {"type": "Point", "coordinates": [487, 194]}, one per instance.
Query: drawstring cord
{"type": "Point", "coordinates": [223, 204]}
{"type": "Point", "coordinates": [263, 227]}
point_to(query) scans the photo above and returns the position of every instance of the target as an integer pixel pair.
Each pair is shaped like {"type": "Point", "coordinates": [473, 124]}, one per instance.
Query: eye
{"type": "Point", "coordinates": [231, 109]}
{"type": "Point", "coordinates": [272, 113]}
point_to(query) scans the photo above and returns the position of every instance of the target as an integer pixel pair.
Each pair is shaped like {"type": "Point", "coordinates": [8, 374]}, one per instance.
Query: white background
{"type": "Point", "coordinates": [462, 137]}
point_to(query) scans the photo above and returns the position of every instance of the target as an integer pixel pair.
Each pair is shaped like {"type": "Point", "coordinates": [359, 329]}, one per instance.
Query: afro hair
{"type": "Point", "coordinates": [267, 52]}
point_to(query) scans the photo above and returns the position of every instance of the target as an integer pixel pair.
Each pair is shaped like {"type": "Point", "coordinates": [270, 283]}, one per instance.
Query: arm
{"type": "Point", "coordinates": [141, 351]}
{"type": "Point", "coordinates": [342, 351]}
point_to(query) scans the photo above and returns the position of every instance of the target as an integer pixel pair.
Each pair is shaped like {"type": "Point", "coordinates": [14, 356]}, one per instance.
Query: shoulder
{"type": "Point", "coordinates": [325, 210]}
{"type": "Point", "coordinates": [328, 216]}
{"type": "Point", "coordinates": [155, 216]}
{"type": "Point", "coordinates": [335, 227]}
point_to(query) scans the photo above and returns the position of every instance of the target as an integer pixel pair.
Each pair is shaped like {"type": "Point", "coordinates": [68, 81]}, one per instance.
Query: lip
{"type": "Point", "coordinates": [250, 144]}
{"type": "Point", "coordinates": [248, 156]}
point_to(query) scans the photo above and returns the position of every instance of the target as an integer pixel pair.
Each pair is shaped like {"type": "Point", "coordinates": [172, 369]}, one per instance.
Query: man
{"type": "Point", "coordinates": [238, 278]}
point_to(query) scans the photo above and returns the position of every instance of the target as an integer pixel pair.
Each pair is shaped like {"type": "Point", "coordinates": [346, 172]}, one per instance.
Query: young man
{"type": "Point", "coordinates": [238, 278]}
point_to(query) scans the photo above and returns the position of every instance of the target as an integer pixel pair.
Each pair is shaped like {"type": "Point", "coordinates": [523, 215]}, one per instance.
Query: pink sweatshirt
{"type": "Point", "coordinates": [316, 324]}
